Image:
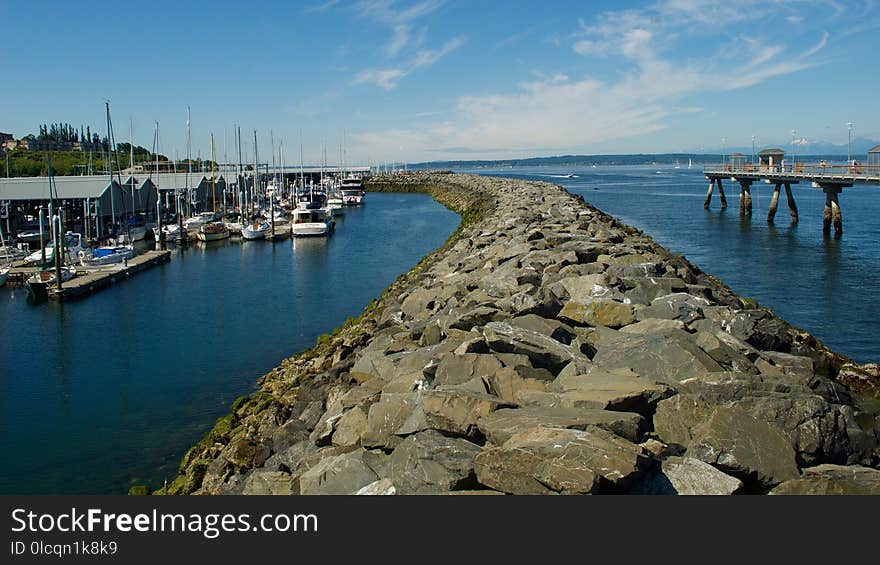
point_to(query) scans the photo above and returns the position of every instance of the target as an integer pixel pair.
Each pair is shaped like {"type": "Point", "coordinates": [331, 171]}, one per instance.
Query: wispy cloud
{"type": "Point", "coordinates": [389, 78]}
{"type": "Point", "coordinates": [323, 7]}
{"type": "Point", "coordinates": [651, 86]}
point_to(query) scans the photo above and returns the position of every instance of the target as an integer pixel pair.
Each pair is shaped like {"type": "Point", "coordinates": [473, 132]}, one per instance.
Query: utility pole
{"type": "Point", "coordinates": [848, 146]}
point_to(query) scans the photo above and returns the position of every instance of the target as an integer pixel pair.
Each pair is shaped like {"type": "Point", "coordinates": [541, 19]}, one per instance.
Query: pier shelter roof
{"type": "Point", "coordinates": [68, 188]}
{"type": "Point", "coordinates": [874, 156]}
{"type": "Point", "coordinates": [774, 152]}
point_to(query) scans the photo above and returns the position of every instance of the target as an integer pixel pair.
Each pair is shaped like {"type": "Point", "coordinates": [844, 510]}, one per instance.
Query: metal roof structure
{"type": "Point", "coordinates": [169, 181]}
{"type": "Point", "coordinates": [37, 188]}
{"type": "Point", "coordinates": [771, 152]}
{"type": "Point", "coordinates": [874, 149]}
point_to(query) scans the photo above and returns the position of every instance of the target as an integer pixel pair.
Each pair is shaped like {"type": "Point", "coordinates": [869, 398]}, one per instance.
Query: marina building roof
{"type": "Point", "coordinates": [773, 151]}
{"type": "Point", "coordinates": [37, 188]}
{"type": "Point", "coordinates": [874, 149]}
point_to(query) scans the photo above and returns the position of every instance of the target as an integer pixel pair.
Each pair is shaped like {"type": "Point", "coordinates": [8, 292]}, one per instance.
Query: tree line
{"type": "Point", "coordinates": [67, 133]}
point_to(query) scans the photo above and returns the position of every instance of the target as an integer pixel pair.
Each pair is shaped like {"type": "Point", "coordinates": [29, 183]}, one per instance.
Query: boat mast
{"type": "Point", "coordinates": [160, 239]}
{"type": "Point", "coordinates": [188, 162]}
{"type": "Point", "coordinates": [255, 189]}
{"type": "Point", "coordinates": [110, 168]}
{"type": "Point", "coordinates": [239, 187]}
{"type": "Point", "coordinates": [213, 182]}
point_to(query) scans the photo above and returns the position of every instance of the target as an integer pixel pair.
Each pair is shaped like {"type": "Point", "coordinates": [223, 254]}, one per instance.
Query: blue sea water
{"type": "Point", "coordinates": [111, 390]}
{"type": "Point", "coordinates": [826, 285]}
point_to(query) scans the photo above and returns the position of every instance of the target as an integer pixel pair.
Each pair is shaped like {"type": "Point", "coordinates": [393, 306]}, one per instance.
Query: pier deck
{"type": "Point", "coordinates": [91, 279]}
{"type": "Point", "coordinates": [832, 179]}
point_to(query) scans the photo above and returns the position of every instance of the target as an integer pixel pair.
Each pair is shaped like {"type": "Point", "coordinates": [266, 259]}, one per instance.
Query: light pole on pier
{"type": "Point", "coordinates": [848, 144]}
{"type": "Point", "coordinates": [753, 150]}
{"type": "Point", "coordinates": [723, 155]}
{"type": "Point", "coordinates": [793, 139]}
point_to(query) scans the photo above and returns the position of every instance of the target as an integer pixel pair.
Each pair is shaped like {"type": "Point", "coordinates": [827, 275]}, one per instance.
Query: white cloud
{"type": "Point", "coordinates": [398, 40]}
{"type": "Point", "coordinates": [385, 78]}
{"type": "Point", "coordinates": [389, 78]}
{"type": "Point", "coordinates": [559, 113]}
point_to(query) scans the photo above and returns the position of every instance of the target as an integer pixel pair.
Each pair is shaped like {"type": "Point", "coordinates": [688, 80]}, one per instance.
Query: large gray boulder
{"type": "Point", "coordinates": [670, 356]}
{"type": "Point", "coordinates": [614, 391]}
{"type": "Point", "coordinates": [262, 482]}
{"type": "Point", "coordinates": [456, 411]}
{"type": "Point", "coordinates": [429, 462]}
{"type": "Point", "coordinates": [455, 369]}
{"type": "Point", "coordinates": [687, 476]}
{"type": "Point", "coordinates": [547, 460]}
{"type": "Point", "coordinates": [729, 438]}
{"type": "Point", "coordinates": [598, 312]}
{"type": "Point", "coordinates": [501, 425]}
{"type": "Point", "coordinates": [543, 351]}
{"type": "Point", "coordinates": [677, 306]}
{"type": "Point", "coordinates": [338, 474]}
{"type": "Point", "coordinates": [833, 479]}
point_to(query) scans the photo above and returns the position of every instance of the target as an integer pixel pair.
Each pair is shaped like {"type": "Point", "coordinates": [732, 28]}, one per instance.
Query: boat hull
{"type": "Point", "coordinates": [310, 229]}
{"type": "Point", "coordinates": [212, 236]}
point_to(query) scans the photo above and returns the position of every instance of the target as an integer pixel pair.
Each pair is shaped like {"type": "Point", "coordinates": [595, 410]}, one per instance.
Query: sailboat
{"type": "Point", "coordinates": [121, 250]}
{"type": "Point", "coordinates": [213, 230]}
{"type": "Point", "coordinates": [6, 266]}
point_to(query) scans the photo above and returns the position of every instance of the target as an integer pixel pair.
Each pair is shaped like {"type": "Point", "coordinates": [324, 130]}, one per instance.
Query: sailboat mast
{"type": "Point", "coordinates": [213, 182]}
{"type": "Point", "coordinates": [188, 158]}
{"type": "Point", "coordinates": [255, 188]}
{"type": "Point", "coordinates": [110, 168]}
{"type": "Point", "coordinates": [239, 187]}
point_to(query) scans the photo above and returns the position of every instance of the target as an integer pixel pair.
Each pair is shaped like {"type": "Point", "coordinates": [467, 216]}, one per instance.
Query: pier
{"type": "Point", "coordinates": [773, 170]}
{"type": "Point", "coordinates": [92, 279]}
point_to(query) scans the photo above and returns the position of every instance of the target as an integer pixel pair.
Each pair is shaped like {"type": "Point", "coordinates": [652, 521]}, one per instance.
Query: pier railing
{"type": "Point", "coordinates": [853, 171]}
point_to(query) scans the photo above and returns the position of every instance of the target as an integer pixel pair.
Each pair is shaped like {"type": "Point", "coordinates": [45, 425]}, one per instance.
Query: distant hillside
{"type": "Point", "coordinates": [588, 160]}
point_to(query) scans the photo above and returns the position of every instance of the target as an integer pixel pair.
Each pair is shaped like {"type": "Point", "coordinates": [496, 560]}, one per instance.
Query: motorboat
{"type": "Point", "coordinates": [311, 222]}
{"type": "Point", "coordinates": [256, 230]}
{"type": "Point", "coordinates": [213, 231]}
{"type": "Point", "coordinates": [353, 192]}
{"type": "Point", "coordinates": [73, 244]}
{"type": "Point", "coordinates": [106, 255]}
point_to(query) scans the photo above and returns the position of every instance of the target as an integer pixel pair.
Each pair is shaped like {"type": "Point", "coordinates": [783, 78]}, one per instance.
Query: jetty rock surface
{"type": "Point", "coordinates": [547, 348]}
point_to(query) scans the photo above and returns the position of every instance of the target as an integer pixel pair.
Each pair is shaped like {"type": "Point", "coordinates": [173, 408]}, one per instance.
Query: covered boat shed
{"type": "Point", "coordinates": [89, 202]}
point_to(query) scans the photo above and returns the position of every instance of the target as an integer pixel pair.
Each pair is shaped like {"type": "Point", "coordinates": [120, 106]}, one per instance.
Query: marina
{"type": "Point", "coordinates": [112, 389]}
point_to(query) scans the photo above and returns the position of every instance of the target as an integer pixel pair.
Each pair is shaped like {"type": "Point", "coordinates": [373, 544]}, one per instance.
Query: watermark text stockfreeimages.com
{"type": "Point", "coordinates": [210, 526]}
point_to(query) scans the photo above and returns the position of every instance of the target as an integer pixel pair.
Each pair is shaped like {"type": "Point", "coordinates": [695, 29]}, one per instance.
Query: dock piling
{"type": "Point", "coordinates": [774, 202]}
{"type": "Point", "coordinates": [709, 194]}
{"type": "Point", "coordinates": [721, 194]}
{"type": "Point", "coordinates": [745, 198]}
{"type": "Point", "coordinates": [792, 207]}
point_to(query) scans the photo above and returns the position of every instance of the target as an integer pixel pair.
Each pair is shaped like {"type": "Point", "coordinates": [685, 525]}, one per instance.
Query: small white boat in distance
{"type": "Point", "coordinates": [255, 230]}
{"type": "Point", "coordinates": [213, 231]}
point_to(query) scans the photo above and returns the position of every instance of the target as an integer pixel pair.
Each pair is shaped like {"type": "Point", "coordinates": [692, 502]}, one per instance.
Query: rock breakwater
{"type": "Point", "coordinates": [548, 348]}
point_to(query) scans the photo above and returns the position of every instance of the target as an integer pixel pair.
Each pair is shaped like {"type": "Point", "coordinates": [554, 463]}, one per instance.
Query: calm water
{"type": "Point", "coordinates": [111, 390]}
{"type": "Point", "coordinates": [824, 285]}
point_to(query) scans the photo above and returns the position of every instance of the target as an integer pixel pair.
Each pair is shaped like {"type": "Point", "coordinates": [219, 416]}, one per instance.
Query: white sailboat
{"type": "Point", "coordinates": [6, 266]}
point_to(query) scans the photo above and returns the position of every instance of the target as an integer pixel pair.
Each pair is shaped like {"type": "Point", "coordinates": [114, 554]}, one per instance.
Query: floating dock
{"type": "Point", "coordinates": [91, 279]}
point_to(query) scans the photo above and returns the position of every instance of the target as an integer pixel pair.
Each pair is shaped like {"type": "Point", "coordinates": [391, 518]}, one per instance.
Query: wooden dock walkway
{"type": "Point", "coordinates": [91, 279]}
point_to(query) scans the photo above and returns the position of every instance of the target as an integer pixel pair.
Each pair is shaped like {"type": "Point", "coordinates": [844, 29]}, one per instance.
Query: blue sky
{"type": "Point", "coordinates": [432, 79]}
